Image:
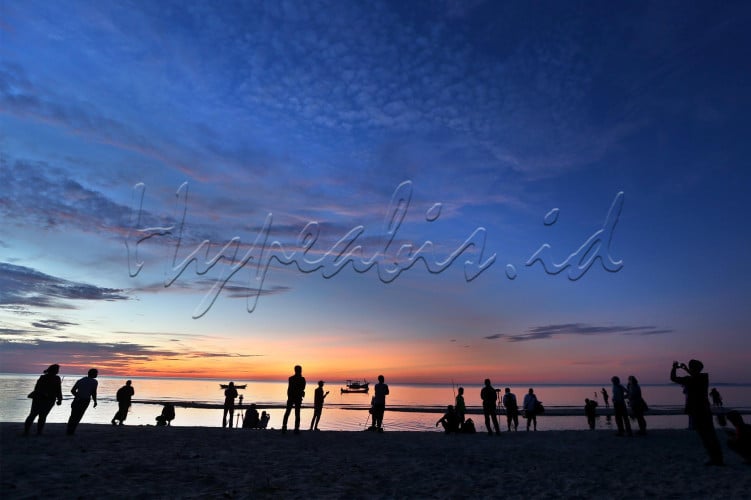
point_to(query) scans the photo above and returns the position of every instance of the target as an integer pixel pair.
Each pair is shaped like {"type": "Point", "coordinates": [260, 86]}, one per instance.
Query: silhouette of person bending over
{"type": "Point", "coordinates": [123, 396]}
{"type": "Point", "coordinates": [489, 396]}
{"type": "Point", "coordinates": [696, 385]}
{"type": "Point", "coordinates": [47, 390]}
{"type": "Point", "coordinates": [295, 394]}
{"type": "Point", "coordinates": [84, 391]}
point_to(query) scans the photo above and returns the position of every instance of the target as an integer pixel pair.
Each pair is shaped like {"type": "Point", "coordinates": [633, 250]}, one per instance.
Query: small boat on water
{"type": "Point", "coordinates": [355, 386]}
{"type": "Point", "coordinates": [225, 386]}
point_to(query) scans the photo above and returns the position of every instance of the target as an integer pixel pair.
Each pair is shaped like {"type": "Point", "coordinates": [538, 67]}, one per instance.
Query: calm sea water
{"type": "Point", "coordinates": [409, 407]}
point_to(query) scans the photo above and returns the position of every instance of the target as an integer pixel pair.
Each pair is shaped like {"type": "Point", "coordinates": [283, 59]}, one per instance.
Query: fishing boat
{"type": "Point", "coordinates": [226, 386]}
{"type": "Point", "coordinates": [355, 386]}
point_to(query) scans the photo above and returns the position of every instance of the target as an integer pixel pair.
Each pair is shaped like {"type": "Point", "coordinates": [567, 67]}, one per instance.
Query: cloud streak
{"type": "Point", "coordinates": [583, 329]}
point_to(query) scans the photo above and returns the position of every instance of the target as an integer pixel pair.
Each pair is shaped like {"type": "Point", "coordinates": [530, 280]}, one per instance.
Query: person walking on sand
{"type": "Point", "coordinates": [530, 408]}
{"type": "Point", "coordinates": [381, 390]}
{"type": "Point", "coordinates": [318, 398]}
{"type": "Point", "coordinates": [488, 395]}
{"type": "Point", "coordinates": [696, 385]}
{"type": "Point", "coordinates": [230, 393]}
{"type": "Point", "coordinates": [123, 396]}
{"type": "Point", "coordinates": [590, 411]}
{"type": "Point", "coordinates": [295, 394]}
{"type": "Point", "coordinates": [47, 390]}
{"type": "Point", "coordinates": [512, 408]}
{"type": "Point", "coordinates": [605, 397]}
{"type": "Point", "coordinates": [619, 407]}
{"type": "Point", "coordinates": [84, 391]}
{"type": "Point", "coordinates": [637, 404]}
{"type": "Point", "coordinates": [459, 407]}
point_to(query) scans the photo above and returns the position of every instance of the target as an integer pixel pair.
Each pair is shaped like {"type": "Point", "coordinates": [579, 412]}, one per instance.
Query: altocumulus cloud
{"type": "Point", "coordinates": [550, 331]}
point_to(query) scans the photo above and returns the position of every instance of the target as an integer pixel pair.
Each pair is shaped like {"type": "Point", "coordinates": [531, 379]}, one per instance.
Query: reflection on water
{"type": "Point", "coordinates": [342, 411]}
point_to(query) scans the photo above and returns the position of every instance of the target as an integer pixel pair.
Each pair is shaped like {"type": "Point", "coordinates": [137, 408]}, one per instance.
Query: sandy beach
{"type": "Point", "coordinates": [191, 462]}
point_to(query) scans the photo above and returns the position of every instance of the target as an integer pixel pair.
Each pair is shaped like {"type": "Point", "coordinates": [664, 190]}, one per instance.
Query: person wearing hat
{"type": "Point", "coordinates": [696, 385]}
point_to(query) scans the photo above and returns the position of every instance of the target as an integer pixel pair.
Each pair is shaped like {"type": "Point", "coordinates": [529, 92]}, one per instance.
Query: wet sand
{"type": "Point", "coordinates": [196, 462]}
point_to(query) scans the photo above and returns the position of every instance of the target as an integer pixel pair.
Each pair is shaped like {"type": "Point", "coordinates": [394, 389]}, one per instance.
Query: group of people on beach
{"type": "Point", "coordinates": [48, 392]}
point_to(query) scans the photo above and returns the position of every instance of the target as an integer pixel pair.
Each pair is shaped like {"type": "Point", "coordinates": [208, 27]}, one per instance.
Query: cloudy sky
{"type": "Point", "coordinates": [435, 191]}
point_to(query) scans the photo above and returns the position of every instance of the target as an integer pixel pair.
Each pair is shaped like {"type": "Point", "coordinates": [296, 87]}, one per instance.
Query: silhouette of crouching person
{"type": "Point", "coordinates": [449, 421]}
{"type": "Point", "coordinates": [167, 416]}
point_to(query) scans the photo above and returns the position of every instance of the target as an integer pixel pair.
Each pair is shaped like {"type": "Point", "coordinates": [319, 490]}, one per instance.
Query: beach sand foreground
{"type": "Point", "coordinates": [196, 462]}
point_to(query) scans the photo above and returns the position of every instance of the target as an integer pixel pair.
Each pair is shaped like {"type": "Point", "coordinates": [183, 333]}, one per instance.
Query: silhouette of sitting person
{"type": "Point", "coordinates": [47, 390]}
{"type": "Point", "coordinates": [449, 421]}
{"type": "Point", "coordinates": [167, 416]}
{"type": "Point", "coordinates": [251, 420]}
{"type": "Point", "coordinates": [740, 440]}
{"type": "Point", "coordinates": [264, 422]}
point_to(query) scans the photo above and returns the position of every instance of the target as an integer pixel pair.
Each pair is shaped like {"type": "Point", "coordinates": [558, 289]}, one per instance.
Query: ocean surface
{"type": "Point", "coordinates": [410, 407]}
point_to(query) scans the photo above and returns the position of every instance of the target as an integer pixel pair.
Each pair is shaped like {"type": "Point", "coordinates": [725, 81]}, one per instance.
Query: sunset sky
{"type": "Point", "coordinates": [135, 136]}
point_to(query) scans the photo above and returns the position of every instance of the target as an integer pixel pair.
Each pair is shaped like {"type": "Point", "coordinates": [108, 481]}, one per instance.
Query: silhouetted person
{"type": "Point", "coordinates": [605, 397]}
{"type": "Point", "coordinates": [489, 397]}
{"type": "Point", "coordinates": [295, 393]}
{"type": "Point", "coordinates": [318, 398]}
{"type": "Point", "coordinates": [716, 398]}
{"type": "Point", "coordinates": [459, 407]}
{"type": "Point", "coordinates": [251, 420]}
{"type": "Point", "coordinates": [47, 390]}
{"type": "Point", "coordinates": [530, 408]}
{"type": "Point", "coordinates": [512, 408]}
{"type": "Point", "coordinates": [740, 440]}
{"type": "Point", "coordinates": [590, 411]}
{"type": "Point", "coordinates": [265, 417]}
{"type": "Point", "coordinates": [637, 404]}
{"type": "Point", "coordinates": [381, 390]}
{"type": "Point", "coordinates": [83, 391]}
{"type": "Point", "coordinates": [167, 415]}
{"type": "Point", "coordinates": [123, 396]}
{"type": "Point", "coordinates": [619, 407]}
{"type": "Point", "coordinates": [230, 393]}
{"type": "Point", "coordinates": [449, 421]}
{"type": "Point", "coordinates": [697, 406]}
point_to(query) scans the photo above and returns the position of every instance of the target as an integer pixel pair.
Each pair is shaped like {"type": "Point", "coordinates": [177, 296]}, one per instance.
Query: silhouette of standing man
{"type": "Point", "coordinates": [696, 384]}
{"type": "Point", "coordinates": [379, 403]}
{"type": "Point", "coordinates": [318, 405]}
{"type": "Point", "coordinates": [230, 393]}
{"type": "Point", "coordinates": [123, 396]}
{"type": "Point", "coordinates": [488, 396]}
{"type": "Point", "coordinates": [295, 393]}
{"type": "Point", "coordinates": [84, 391]}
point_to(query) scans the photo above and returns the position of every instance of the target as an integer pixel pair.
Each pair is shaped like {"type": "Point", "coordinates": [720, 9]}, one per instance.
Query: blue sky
{"type": "Point", "coordinates": [289, 113]}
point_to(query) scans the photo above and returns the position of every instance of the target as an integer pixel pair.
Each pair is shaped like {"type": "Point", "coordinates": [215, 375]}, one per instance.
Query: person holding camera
{"type": "Point", "coordinates": [696, 385]}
